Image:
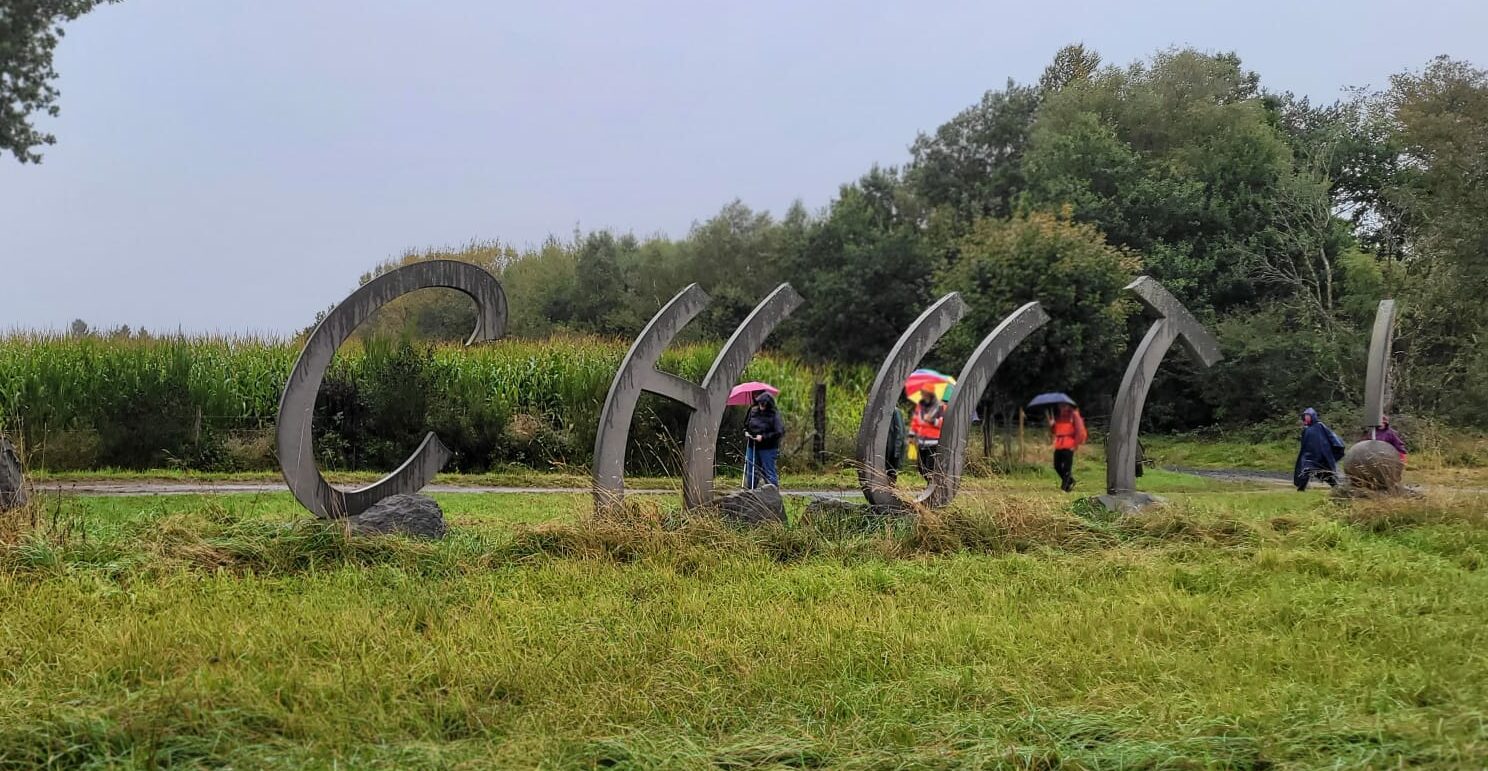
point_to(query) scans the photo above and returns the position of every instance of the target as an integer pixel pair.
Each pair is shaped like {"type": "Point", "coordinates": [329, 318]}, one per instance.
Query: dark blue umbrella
{"type": "Point", "coordinates": [1051, 399]}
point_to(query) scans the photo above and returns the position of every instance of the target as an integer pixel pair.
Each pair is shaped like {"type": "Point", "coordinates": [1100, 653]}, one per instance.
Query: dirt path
{"type": "Point", "coordinates": [1234, 474]}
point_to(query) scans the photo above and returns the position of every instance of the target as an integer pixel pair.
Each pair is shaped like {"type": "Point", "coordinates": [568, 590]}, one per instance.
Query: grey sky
{"type": "Point", "coordinates": [235, 165]}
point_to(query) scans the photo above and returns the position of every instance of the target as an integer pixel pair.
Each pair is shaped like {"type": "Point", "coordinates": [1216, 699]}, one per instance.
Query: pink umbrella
{"type": "Point", "coordinates": [744, 393]}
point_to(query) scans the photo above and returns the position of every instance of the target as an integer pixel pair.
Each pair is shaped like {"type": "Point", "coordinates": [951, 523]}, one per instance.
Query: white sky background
{"type": "Point", "coordinates": [235, 165]}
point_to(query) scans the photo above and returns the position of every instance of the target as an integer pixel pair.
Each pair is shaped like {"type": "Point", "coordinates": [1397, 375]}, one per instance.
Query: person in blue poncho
{"type": "Point", "coordinates": [1319, 454]}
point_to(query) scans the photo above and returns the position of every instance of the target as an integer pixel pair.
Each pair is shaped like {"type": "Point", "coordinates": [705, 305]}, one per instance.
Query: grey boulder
{"type": "Point", "coordinates": [1133, 502]}
{"type": "Point", "coordinates": [404, 514]}
{"type": "Point", "coordinates": [752, 507]}
{"type": "Point", "coordinates": [1372, 466]}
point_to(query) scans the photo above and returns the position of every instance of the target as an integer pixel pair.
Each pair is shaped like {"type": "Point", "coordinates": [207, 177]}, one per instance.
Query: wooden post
{"type": "Point", "coordinates": [987, 436]}
{"type": "Point", "coordinates": [1022, 454]}
{"type": "Point", "coordinates": [819, 418]}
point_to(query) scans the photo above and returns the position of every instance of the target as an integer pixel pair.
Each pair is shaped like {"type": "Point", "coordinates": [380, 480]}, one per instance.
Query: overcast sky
{"type": "Point", "coordinates": [234, 165]}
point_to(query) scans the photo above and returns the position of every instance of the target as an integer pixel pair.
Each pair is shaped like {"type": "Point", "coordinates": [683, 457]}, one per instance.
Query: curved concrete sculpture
{"type": "Point", "coordinates": [976, 375]}
{"type": "Point", "coordinates": [707, 400]}
{"type": "Point", "coordinates": [1373, 466]}
{"type": "Point", "coordinates": [297, 404]}
{"type": "Point", "coordinates": [1174, 323]}
{"type": "Point", "coordinates": [1377, 380]}
{"type": "Point", "coordinates": [883, 397]}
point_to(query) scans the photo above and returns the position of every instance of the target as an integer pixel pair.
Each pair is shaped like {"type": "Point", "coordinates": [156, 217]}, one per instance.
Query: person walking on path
{"type": "Point", "coordinates": [1387, 435]}
{"type": "Point", "coordinates": [1319, 452]}
{"type": "Point", "coordinates": [1068, 430]}
{"type": "Point", "coordinates": [925, 424]}
{"type": "Point", "coordinates": [763, 427]}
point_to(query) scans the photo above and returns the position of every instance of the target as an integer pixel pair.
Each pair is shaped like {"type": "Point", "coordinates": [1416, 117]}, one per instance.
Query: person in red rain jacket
{"type": "Point", "coordinates": [924, 425]}
{"type": "Point", "coordinates": [1068, 430]}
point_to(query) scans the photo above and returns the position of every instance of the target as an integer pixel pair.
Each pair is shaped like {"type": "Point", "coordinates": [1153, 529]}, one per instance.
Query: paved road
{"type": "Point", "coordinates": [148, 487]}
{"type": "Point", "coordinates": [155, 487]}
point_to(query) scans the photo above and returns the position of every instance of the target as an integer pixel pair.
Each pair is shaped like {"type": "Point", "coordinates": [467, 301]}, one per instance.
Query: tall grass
{"type": "Point", "coordinates": [1016, 634]}
{"type": "Point", "coordinates": [209, 403]}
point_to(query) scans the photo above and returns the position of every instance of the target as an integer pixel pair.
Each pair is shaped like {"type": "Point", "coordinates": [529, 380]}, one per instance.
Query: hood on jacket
{"type": "Point", "coordinates": [765, 401]}
{"type": "Point", "coordinates": [1312, 413]}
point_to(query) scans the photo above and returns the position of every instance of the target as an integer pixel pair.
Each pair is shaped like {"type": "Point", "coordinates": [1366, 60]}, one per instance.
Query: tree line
{"type": "Point", "coordinates": [1280, 223]}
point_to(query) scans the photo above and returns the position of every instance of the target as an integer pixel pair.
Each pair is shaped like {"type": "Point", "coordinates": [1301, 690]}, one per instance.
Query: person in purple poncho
{"type": "Point", "coordinates": [1387, 435]}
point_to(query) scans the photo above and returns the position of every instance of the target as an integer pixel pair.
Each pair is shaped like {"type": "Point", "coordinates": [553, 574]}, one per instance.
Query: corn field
{"type": "Point", "coordinates": [209, 403]}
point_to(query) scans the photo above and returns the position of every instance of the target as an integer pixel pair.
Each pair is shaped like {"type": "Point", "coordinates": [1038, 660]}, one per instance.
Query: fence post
{"type": "Point", "coordinates": [819, 418]}
{"type": "Point", "coordinates": [1022, 455]}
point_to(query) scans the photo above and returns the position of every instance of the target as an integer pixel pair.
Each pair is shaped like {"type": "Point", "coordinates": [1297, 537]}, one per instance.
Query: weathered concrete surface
{"type": "Point", "coordinates": [975, 376]}
{"type": "Point", "coordinates": [752, 507]}
{"type": "Point", "coordinates": [728, 368]}
{"type": "Point", "coordinates": [402, 514]}
{"type": "Point", "coordinates": [1372, 466]}
{"type": "Point", "coordinates": [1130, 502]}
{"type": "Point", "coordinates": [297, 404]}
{"type": "Point", "coordinates": [1174, 324]}
{"type": "Point", "coordinates": [707, 400]}
{"type": "Point", "coordinates": [12, 477]}
{"type": "Point", "coordinates": [1377, 379]}
{"type": "Point", "coordinates": [883, 397]}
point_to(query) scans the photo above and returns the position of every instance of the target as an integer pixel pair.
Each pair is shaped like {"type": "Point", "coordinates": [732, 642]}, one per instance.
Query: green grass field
{"type": "Point", "coordinates": [1240, 627]}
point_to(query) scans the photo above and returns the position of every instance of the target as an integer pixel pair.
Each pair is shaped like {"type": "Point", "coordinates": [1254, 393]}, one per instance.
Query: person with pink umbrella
{"type": "Point", "coordinates": [763, 430]}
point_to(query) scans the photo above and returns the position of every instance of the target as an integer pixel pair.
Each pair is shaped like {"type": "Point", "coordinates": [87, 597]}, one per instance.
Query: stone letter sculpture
{"type": "Point", "coordinates": [1173, 323]}
{"type": "Point", "coordinates": [1372, 466]}
{"type": "Point", "coordinates": [297, 405]}
{"type": "Point", "coordinates": [707, 400]}
{"type": "Point", "coordinates": [873, 432]}
{"type": "Point", "coordinates": [1377, 380]}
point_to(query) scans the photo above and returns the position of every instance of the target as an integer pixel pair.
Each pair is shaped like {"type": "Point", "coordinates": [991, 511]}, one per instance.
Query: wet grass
{"type": "Point", "coordinates": [1254, 628]}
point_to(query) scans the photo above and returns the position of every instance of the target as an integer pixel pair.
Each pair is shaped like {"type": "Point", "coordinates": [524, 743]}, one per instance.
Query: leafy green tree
{"type": "Point", "coordinates": [1071, 64]}
{"type": "Point", "coordinates": [1071, 270]}
{"type": "Point", "coordinates": [1439, 118]}
{"type": "Point", "coordinates": [864, 271]}
{"type": "Point", "coordinates": [972, 164]}
{"type": "Point", "coordinates": [736, 255]}
{"type": "Point", "coordinates": [540, 289]}
{"type": "Point", "coordinates": [29, 33]}
{"type": "Point", "coordinates": [1177, 159]}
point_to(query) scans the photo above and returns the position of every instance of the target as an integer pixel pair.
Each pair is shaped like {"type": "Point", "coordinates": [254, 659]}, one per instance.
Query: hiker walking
{"type": "Point", "coordinates": [1067, 429]}
{"type": "Point", "coordinates": [1320, 451]}
{"type": "Point", "coordinates": [763, 427]}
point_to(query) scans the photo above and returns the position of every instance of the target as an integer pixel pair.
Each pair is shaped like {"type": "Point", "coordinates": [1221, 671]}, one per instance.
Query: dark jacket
{"type": "Point", "coordinates": [764, 421]}
{"type": "Point", "coordinates": [1388, 436]}
{"type": "Point", "coordinates": [894, 453]}
{"type": "Point", "coordinates": [1320, 450]}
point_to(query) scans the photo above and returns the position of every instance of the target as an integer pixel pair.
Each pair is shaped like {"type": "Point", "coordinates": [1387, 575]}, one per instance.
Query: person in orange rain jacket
{"type": "Point", "coordinates": [1068, 430]}
{"type": "Point", "coordinates": [924, 425]}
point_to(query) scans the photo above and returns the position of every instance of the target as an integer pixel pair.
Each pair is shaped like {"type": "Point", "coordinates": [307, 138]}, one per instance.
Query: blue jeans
{"type": "Point", "coordinates": [761, 471]}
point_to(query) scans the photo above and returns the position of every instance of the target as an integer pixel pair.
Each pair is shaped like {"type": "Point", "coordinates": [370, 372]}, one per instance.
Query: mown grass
{"type": "Point", "coordinates": [1250, 629]}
